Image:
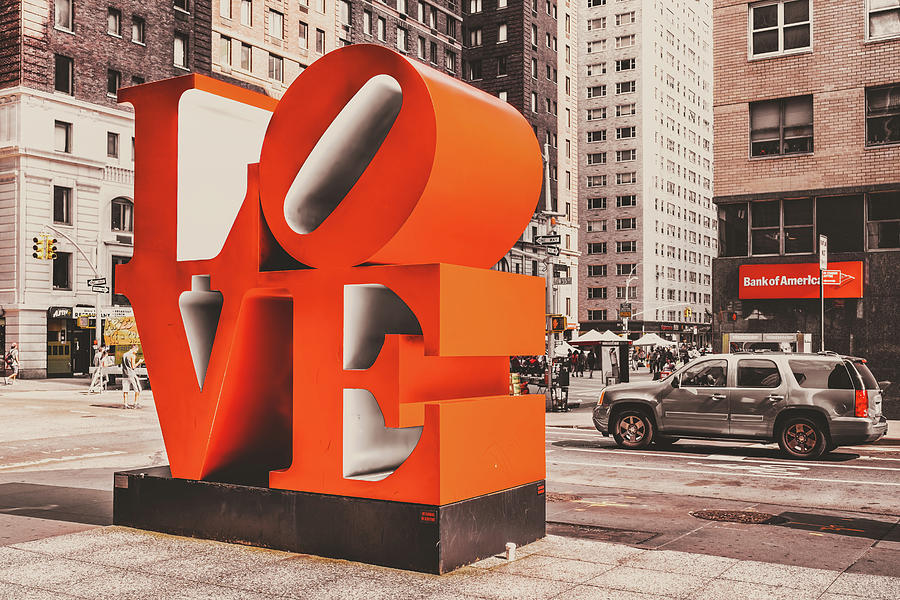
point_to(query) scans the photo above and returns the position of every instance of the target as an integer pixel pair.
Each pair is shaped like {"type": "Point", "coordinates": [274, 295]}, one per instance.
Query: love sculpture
{"type": "Point", "coordinates": [327, 344]}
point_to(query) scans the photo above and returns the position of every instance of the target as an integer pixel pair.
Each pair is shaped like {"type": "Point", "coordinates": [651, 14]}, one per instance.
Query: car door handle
{"type": "Point", "coordinates": [718, 396]}
{"type": "Point", "coordinates": [775, 398]}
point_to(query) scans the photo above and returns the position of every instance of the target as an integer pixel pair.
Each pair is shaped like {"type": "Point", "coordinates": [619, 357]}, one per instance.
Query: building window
{"type": "Point", "coordinates": [597, 315]}
{"type": "Point", "coordinates": [64, 17]}
{"type": "Point", "coordinates": [596, 270]}
{"type": "Point", "coordinates": [598, 158]}
{"type": "Point", "coordinates": [118, 299]}
{"type": "Point", "coordinates": [181, 50]}
{"type": "Point", "coordinates": [112, 144]}
{"type": "Point", "coordinates": [625, 64]}
{"type": "Point", "coordinates": [402, 39]}
{"type": "Point", "coordinates": [381, 28]}
{"type": "Point", "coordinates": [534, 34]}
{"type": "Point", "coordinates": [628, 223]}
{"type": "Point", "coordinates": [475, 36]}
{"type": "Point", "coordinates": [246, 57]}
{"type": "Point", "coordinates": [501, 4]}
{"type": "Point", "coordinates": [625, 87]}
{"type": "Point", "coordinates": [776, 227]}
{"type": "Point", "coordinates": [450, 64]}
{"type": "Point", "coordinates": [783, 126]}
{"type": "Point", "coordinates": [627, 246]}
{"type": "Point", "coordinates": [122, 210]}
{"type": "Point", "coordinates": [62, 271]}
{"type": "Point", "coordinates": [779, 27]}
{"type": "Point", "coordinates": [62, 205]}
{"type": "Point", "coordinates": [596, 91]}
{"type": "Point", "coordinates": [137, 80]}
{"type": "Point", "coordinates": [138, 34]}
{"type": "Point", "coordinates": [620, 292]}
{"type": "Point", "coordinates": [884, 18]}
{"type": "Point", "coordinates": [733, 224]}
{"type": "Point", "coordinates": [533, 101]}
{"type": "Point", "coordinates": [596, 181]}
{"type": "Point", "coordinates": [626, 201]}
{"type": "Point", "coordinates": [320, 6]}
{"type": "Point", "coordinates": [884, 220]}
{"type": "Point", "coordinates": [503, 95]}
{"type": "Point", "coordinates": [473, 70]}
{"type": "Point", "coordinates": [501, 66]}
{"type": "Point", "coordinates": [625, 18]}
{"type": "Point", "coordinates": [501, 33]}
{"type": "Point", "coordinates": [626, 155]}
{"type": "Point", "coordinates": [598, 23]}
{"type": "Point", "coordinates": [595, 114]}
{"type": "Point", "coordinates": [593, 3]}
{"type": "Point", "coordinates": [596, 293]}
{"type": "Point", "coordinates": [64, 75]}
{"type": "Point", "coordinates": [367, 25]}
{"type": "Point", "coordinates": [344, 7]}
{"type": "Point", "coordinates": [596, 69]}
{"type": "Point", "coordinates": [433, 58]}
{"type": "Point", "coordinates": [113, 82]}
{"type": "Point", "coordinates": [402, 7]}
{"type": "Point", "coordinates": [596, 248]}
{"type": "Point", "coordinates": [276, 67]}
{"type": "Point", "coordinates": [421, 52]}
{"type": "Point", "coordinates": [450, 26]}
{"type": "Point", "coordinates": [624, 110]}
{"type": "Point", "coordinates": [474, 7]}
{"type": "Point", "coordinates": [625, 41]}
{"type": "Point", "coordinates": [114, 22]}
{"type": "Point", "coordinates": [184, 5]}
{"type": "Point", "coordinates": [624, 133]}
{"type": "Point", "coordinates": [62, 141]}
{"type": "Point", "coordinates": [594, 226]}
{"type": "Point", "coordinates": [320, 37]}
{"type": "Point", "coordinates": [596, 203]}
{"type": "Point", "coordinates": [841, 218]}
{"type": "Point", "coordinates": [247, 13]}
{"type": "Point", "coordinates": [626, 269]}
{"type": "Point", "coordinates": [276, 24]}
{"type": "Point", "coordinates": [596, 46]}
{"type": "Point", "coordinates": [225, 50]}
{"type": "Point", "coordinates": [225, 8]}
{"type": "Point", "coordinates": [883, 114]}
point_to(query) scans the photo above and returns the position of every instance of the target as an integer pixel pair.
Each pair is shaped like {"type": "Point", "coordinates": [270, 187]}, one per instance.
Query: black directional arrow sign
{"type": "Point", "coordinates": [547, 240]}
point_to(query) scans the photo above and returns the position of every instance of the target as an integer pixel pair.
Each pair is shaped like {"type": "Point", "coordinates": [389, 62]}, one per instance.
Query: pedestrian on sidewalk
{"type": "Point", "coordinates": [130, 380]}
{"type": "Point", "coordinates": [563, 381]}
{"type": "Point", "coordinates": [591, 362]}
{"type": "Point", "coordinates": [98, 381]}
{"type": "Point", "coordinates": [12, 363]}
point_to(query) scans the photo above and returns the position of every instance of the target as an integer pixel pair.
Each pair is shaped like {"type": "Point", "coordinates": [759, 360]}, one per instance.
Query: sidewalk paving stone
{"type": "Point", "coordinates": [742, 590]}
{"type": "Point", "coordinates": [589, 592]}
{"type": "Point", "coordinates": [555, 568]}
{"type": "Point", "coordinates": [681, 562]}
{"type": "Point", "coordinates": [645, 581]}
{"type": "Point", "coordinates": [501, 586]}
{"type": "Point", "coordinates": [802, 578]}
{"type": "Point", "coordinates": [11, 591]}
{"type": "Point", "coordinates": [869, 586]}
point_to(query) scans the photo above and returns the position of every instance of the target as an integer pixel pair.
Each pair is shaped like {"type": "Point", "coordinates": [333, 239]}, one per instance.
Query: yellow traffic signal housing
{"type": "Point", "coordinates": [557, 323]}
{"type": "Point", "coordinates": [51, 249]}
{"type": "Point", "coordinates": [687, 312]}
{"type": "Point", "coordinates": [39, 249]}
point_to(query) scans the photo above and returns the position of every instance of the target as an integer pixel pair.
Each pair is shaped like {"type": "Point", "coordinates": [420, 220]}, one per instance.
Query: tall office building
{"type": "Point", "coordinates": [807, 110]}
{"type": "Point", "coordinates": [66, 168]}
{"type": "Point", "coordinates": [645, 152]}
{"type": "Point", "coordinates": [267, 44]}
{"type": "Point", "coordinates": [524, 52]}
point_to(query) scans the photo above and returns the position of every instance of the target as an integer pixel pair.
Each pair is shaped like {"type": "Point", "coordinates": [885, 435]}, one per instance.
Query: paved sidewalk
{"type": "Point", "coordinates": [117, 563]}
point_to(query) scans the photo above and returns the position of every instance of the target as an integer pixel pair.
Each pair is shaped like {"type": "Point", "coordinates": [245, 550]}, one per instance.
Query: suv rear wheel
{"type": "Point", "coordinates": [802, 437]}
{"type": "Point", "coordinates": [633, 429]}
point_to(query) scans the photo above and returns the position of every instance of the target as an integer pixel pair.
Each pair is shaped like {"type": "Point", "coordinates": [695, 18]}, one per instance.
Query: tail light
{"type": "Point", "coordinates": [600, 401]}
{"type": "Point", "coordinates": [862, 404]}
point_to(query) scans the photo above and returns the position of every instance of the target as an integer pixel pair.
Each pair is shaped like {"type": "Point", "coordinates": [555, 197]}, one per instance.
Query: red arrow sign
{"type": "Point", "coordinates": [836, 277]}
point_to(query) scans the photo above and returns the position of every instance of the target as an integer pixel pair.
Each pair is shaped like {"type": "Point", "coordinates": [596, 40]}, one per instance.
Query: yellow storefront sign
{"type": "Point", "coordinates": [120, 331]}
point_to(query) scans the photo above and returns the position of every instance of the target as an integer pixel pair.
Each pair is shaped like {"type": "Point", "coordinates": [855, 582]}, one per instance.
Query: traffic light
{"type": "Point", "coordinates": [557, 323]}
{"type": "Point", "coordinates": [687, 312]}
{"type": "Point", "coordinates": [51, 249]}
{"type": "Point", "coordinates": [39, 247]}
{"type": "Point", "coordinates": [732, 316]}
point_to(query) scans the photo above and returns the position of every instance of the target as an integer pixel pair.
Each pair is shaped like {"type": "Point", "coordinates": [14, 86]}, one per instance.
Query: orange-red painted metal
{"type": "Point", "coordinates": [448, 191]}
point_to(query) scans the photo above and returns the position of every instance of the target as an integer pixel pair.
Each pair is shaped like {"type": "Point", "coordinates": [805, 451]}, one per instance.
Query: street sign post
{"type": "Point", "coordinates": [97, 281]}
{"type": "Point", "coordinates": [562, 280]}
{"type": "Point", "coordinates": [547, 240]}
{"type": "Point", "coordinates": [552, 250]}
{"type": "Point", "coordinates": [823, 266]}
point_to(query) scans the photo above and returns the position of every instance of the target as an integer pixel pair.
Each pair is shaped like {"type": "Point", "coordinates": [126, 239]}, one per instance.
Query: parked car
{"type": "Point", "coordinates": [808, 403]}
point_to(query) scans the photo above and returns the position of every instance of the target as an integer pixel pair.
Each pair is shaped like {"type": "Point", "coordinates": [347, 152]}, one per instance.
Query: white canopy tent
{"type": "Point", "coordinates": [651, 339]}
{"type": "Point", "coordinates": [563, 349]}
{"type": "Point", "coordinates": [595, 337]}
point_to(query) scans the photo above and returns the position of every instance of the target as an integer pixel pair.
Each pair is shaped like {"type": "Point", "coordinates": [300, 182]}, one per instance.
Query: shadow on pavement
{"type": "Point", "coordinates": [682, 448]}
{"type": "Point", "coordinates": [75, 505]}
{"type": "Point", "coordinates": [848, 526]}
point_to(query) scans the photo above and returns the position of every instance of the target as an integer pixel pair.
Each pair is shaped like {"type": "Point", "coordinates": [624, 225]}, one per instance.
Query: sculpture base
{"type": "Point", "coordinates": [416, 537]}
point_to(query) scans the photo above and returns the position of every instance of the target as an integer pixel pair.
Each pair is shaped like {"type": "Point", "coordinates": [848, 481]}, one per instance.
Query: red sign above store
{"type": "Point", "coordinates": [841, 280]}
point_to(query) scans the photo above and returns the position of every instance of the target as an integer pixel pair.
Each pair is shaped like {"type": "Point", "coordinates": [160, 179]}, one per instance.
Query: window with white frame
{"type": "Point", "coordinates": [625, 87]}
{"type": "Point", "coordinates": [475, 36]}
{"type": "Point", "coordinates": [596, 270]}
{"type": "Point", "coordinates": [626, 178]}
{"type": "Point", "coordinates": [883, 115]}
{"type": "Point", "coordinates": [625, 64]}
{"type": "Point", "coordinates": [501, 33]}
{"type": "Point", "coordinates": [595, 114]}
{"type": "Point", "coordinates": [596, 203]}
{"type": "Point", "coordinates": [276, 67]}
{"type": "Point", "coordinates": [138, 30]}
{"type": "Point", "coordinates": [596, 248]}
{"type": "Point", "coordinates": [624, 110]}
{"type": "Point", "coordinates": [624, 133]}
{"type": "Point", "coordinates": [596, 69]}
{"type": "Point", "coordinates": [184, 5]}
{"type": "Point", "coordinates": [114, 22]}
{"type": "Point", "coordinates": [450, 65]}
{"type": "Point", "coordinates": [225, 8]}
{"type": "Point", "coordinates": [344, 12]}
{"type": "Point", "coordinates": [596, 293]}
{"type": "Point", "coordinates": [597, 315]}
{"type": "Point", "coordinates": [626, 246]}
{"type": "Point", "coordinates": [122, 215]}
{"type": "Point", "coordinates": [596, 46]}
{"type": "Point", "coordinates": [276, 24]}
{"type": "Point", "coordinates": [247, 12]}
{"type": "Point", "coordinates": [596, 158]}
{"type": "Point", "coordinates": [320, 37]}
{"type": "Point", "coordinates": [63, 15]}
{"type": "Point", "coordinates": [625, 269]}
{"type": "Point", "coordinates": [781, 126]}
{"type": "Point", "coordinates": [620, 292]}
{"type": "Point", "coordinates": [627, 223]}
{"type": "Point", "coordinates": [381, 27]}
{"type": "Point", "coordinates": [62, 139]}
{"type": "Point", "coordinates": [626, 155]}
{"type": "Point", "coordinates": [598, 23]}
{"type": "Point", "coordinates": [599, 225]}
{"type": "Point", "coordinates": [593, 3]}
{"type": "Point", "coordinates": [596, 181]}
{"type": "Point", "coordinates": [884, 18]}
{"type": "Point", "coordinates": [780, 27]}
{"type": "Point", "coordinates": [625, 18]}
{"type": "Point", "coordinates": [474, 7]}
{"type": "Point", "coordinates": [625, 41]}
{"type": "Point", "coordinates": [596, 91]}
{"type": "Point", "coordinates": [181, 50]}
{"type": "Point", "coordinates": [534, 102]}
{"type": "Point", "coordinates": [626, 201]}
{"type": "Point", "coordinates": [113, 82]}
{"type": "Point", "coordinates": [402, 39]}
{"type": "Point", "coordinates": [62, 205]}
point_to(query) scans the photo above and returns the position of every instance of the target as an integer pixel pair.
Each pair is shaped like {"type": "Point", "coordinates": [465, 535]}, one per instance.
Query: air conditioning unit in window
{"type": "Point", "coordinates": [125, 240]}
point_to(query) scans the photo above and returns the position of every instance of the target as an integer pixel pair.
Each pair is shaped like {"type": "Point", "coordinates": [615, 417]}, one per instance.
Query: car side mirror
{"type": "Point", "coordinates": [674, 382]}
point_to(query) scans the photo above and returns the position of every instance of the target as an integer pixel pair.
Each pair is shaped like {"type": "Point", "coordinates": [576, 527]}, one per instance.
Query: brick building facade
{"type": "Point", "coordinates": [66, 165]}
{"type": "Point", "coordinates": [807, 143]}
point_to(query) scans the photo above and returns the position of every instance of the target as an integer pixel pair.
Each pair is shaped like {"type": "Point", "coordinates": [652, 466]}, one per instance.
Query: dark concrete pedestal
{"type": "Point", "coordinates": [418, 537]}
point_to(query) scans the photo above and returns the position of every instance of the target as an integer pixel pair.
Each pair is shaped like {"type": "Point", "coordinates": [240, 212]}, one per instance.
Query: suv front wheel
{"type": "Point", "coordinates": [633, 429]}
{"type": "Point", "coordinates": [802, 437]}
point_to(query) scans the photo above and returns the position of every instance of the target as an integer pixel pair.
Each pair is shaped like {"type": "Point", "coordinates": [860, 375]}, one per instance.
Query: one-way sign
{"type": "Point", "coordinates": [547, 240]}
{"type": "Point", "coordinates": [100, 289]}
{"type": "Point", "coordinates": [552, 250]}
{"type": "Point", "coordinates": [98, 281]}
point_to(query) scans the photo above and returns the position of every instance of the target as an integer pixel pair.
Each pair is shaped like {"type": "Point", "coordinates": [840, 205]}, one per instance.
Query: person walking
{"type": "Point", "coordinates": [98, 381]}
{"type": "Point", "coordinates": [12, 363]}
{"type": "Point", "coordinates": [591, 361]}
{"type": "Point", "coordinates": [130, 380]}
{"type": "Point", "coordinates": [562, 381]}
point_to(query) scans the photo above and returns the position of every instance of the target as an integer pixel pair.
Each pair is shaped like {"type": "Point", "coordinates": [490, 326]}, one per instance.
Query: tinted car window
{"type": "Point", "coordinates": [868, 379]}
{"type": "Point", "coordinates": [821, 374]}
{"type": "Point", "coordinates": [758, 374]}
{"type": "Point", "coordinates": [709, 373]}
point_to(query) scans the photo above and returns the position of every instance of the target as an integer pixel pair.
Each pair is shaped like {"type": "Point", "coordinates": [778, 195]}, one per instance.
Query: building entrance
{"type": "Point", "coordinates": [777, 342]}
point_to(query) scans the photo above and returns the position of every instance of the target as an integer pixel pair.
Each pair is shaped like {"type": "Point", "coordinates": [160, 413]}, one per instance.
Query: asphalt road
{"type": "Point", "coordinates": [59, 448]}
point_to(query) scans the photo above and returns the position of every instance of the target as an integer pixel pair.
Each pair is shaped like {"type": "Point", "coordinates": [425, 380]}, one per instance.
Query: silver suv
{"type": "Point", "coordinates": [808, 403]}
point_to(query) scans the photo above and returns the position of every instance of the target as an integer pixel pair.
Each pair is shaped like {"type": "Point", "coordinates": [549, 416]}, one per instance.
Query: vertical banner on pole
{"type": "Point", "coordinates": [823, 265]}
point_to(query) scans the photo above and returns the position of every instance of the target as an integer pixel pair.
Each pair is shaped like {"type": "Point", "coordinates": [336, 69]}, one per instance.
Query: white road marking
{"type": "Point", "coordinates": [719, 473]}
{"type": "Point", "coordinates": [43, 461]}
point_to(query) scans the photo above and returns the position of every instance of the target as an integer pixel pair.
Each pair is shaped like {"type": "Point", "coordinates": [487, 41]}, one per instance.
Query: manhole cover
{"type": "Point", "coordinates": [737, 516]}
{"type": "Point", "coordinates": [599, 534]}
